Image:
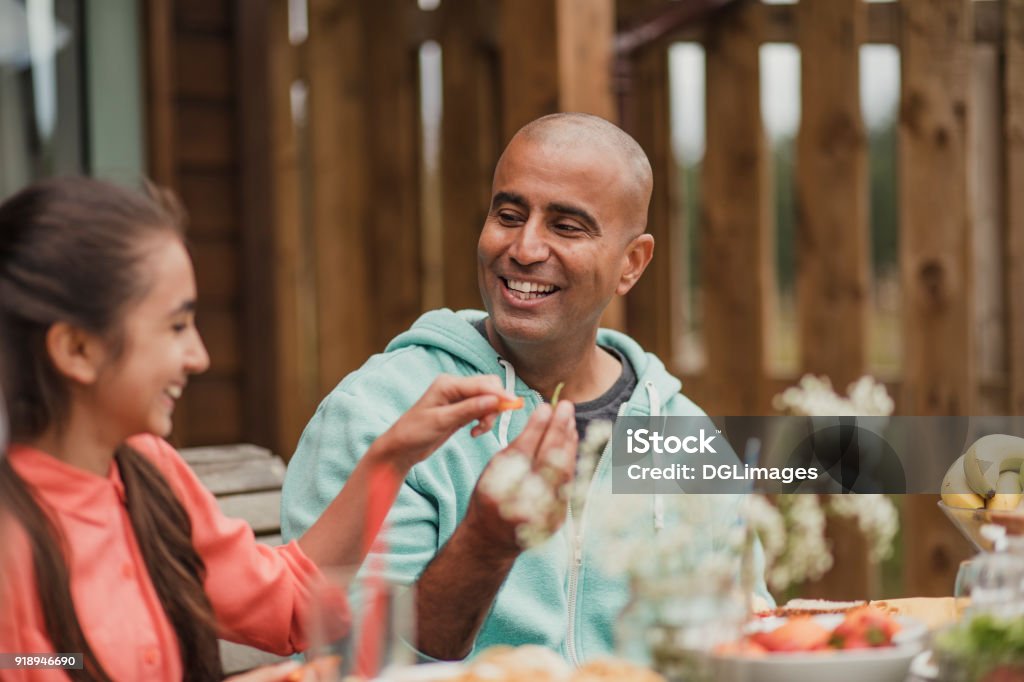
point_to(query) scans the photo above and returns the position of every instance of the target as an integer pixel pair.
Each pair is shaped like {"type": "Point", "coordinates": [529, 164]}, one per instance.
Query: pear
{"type": "Point", "coordinates": [988, 458]}
{"type": "Point", "coordinates": [1008, 492]}
{"type": "Point", "coordinates": [955, 490]}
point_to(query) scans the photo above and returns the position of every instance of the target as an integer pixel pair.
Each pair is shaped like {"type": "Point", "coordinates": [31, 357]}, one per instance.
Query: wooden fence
{"type": "Point", "coordinates": [363, 236]}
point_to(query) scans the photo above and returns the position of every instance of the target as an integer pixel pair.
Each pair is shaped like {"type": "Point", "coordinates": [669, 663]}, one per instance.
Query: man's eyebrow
{"type": "Point", "coordinates": [509, 198]}
{"type": "Point", "coordinates": [188, 306]}
{"type": "Point", "coordinates": [577, 212]}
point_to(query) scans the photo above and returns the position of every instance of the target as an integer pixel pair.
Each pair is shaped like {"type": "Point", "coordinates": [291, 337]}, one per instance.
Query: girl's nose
{"type": "Point", "coordinates": [197, 360]}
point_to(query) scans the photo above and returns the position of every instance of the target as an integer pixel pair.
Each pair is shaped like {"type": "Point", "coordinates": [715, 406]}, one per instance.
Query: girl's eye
{"type": "Point", "coordinates": [179, 327]}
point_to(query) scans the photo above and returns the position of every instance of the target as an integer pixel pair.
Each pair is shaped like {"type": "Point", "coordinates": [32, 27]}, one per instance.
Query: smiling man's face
{"type": "Point", "coordinates": [553, 250]}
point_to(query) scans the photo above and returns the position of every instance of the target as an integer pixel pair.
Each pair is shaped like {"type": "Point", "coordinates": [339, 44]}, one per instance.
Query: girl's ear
{"type": "Point", "coordinates": [75, 353]}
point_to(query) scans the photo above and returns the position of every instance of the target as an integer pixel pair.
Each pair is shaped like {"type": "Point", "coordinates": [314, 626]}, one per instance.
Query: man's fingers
{"type": "Point", "coordinates": [531, 436]}
{"type": "Point", "coordinates": [557, 450]}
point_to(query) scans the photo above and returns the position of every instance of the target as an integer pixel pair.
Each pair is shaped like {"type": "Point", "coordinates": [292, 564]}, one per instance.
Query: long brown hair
{"type": "Point", "coordinates": [70, 251]}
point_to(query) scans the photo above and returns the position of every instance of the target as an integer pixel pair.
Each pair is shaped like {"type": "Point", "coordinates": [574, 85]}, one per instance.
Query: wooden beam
{"type": "Point", "coordinates": [394, 230]}
{"type": "Point", "coordinates": [338, 186]}
{"type": "Point", "coordinates": [294, 295]}
{"type": "Point", "coordinates": [1013, 98]}
{"type": "Point", "coordinates": [470, 147]}
{"type": "Point", "coordinates": [653, 306]}
{"type": "Point", "coordinates": [832, 193]}
{"type": "Point", "coordinates": [832, 230]}
{"type": "Point", "coordinates": [935, 255]}
{"type": "Point", "coordinates": [160, 91]}
{"type": "Point", "coordinates": [884, 20]}
{"type": "Point", "coordinates": [735, 237]}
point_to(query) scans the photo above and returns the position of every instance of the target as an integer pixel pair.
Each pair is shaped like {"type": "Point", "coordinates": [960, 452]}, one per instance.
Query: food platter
{"type": "Point", "coordinates": [882, 664]}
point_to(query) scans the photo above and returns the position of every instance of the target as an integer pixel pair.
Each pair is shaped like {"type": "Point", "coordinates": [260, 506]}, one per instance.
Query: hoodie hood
{"type": "Point", "coordinates": [454, 333]}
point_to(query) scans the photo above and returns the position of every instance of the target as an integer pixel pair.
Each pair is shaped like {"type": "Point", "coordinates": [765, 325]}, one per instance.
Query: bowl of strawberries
{"type": "Point", "coordinates": [865, 643]}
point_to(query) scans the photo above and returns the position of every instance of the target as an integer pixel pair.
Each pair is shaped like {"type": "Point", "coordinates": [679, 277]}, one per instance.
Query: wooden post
{"type": "Point", "coordinates": [1013, 98]}
{"type": "Point", "coordinates": [653, 306]}
{"type": "Point", "coordinates": [296, 357]}
{"type": "Point", "coordinates": [469, 146]}
{"type": "Point", "coordinates": [393, 237]}
{"type": "Point", "coordinates": [736, 241]}
{"type": "Point", "coordinates": [832, 234]}
{"type": "Point", "coordinates": [338, 189]}
{"type": "Point", "coordinates": [832, 193]}
{"type": "Point", "coordinates": [935, 254]}
{"type": "Point", "coordinates": [556, 55]}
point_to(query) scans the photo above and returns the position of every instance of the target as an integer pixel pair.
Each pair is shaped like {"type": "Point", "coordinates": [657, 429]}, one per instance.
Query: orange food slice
{"type": "Point", "coordinates": [516, 404]}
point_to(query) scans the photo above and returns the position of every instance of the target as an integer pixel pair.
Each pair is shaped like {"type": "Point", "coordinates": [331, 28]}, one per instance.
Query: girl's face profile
{"type": "Point", "coordinates": [137, 390]}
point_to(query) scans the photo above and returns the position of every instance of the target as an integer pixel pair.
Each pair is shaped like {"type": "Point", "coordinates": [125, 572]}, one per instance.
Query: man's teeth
{"type": "Point", "coordinates": [174, 391]}
{"type": "Point", "coordinates": [530, 287]}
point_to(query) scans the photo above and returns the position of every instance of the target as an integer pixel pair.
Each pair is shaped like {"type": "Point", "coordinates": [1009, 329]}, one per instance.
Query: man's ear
{"type": "Point", "coordinates": [638, 255]}
{"type": "Point", "coordinates": [77, 354]}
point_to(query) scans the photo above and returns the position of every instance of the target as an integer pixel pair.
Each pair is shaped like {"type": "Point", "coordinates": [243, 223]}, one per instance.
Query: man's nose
{"type": "Point", "coordinates": [530, 245]}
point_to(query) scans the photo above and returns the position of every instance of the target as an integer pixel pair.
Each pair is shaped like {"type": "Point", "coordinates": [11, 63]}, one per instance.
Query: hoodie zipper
{"type": "Point", "coordinates": [577, 552]}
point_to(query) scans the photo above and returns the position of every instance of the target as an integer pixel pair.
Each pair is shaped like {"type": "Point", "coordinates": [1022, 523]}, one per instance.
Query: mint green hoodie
{"type": "Point", "coordinates": [556, 595]}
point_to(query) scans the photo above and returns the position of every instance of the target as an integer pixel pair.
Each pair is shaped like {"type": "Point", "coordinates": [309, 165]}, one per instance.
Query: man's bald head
{"type": "Point", "coordinates": [575, 130]}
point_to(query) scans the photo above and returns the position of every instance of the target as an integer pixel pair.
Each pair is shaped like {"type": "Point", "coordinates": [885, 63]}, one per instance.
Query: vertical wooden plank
{"type": "Point", "coordinates": [528, 41]}
{"type": "Point", "coordinates": [253, 196]}
{"type": "Point", "coordinates": [985, 140]}
{"type": "Point", "coordinates": [469, 147]}
{"type": "Point", "coordinates": [653, 304]}
{"type": "Point", "coordinates": [935, 255]}
{"type": "Point", "coordinates": [160, 90]}
{"type": "Point", "coordinates": [586, 32]}
{"type": "Point", "coordinates": [832, 233]}
{"type": "Point", "coordinates": [297, 394]}
{"type": "Point", "coordinates": [832, 192]}
{"type": "Point", "coordinates": [1013, 89]}
{"type": "Point", "coordinates": [735, 238]}
{"type": "Point", "coordinates": [338, 188]}
{"type": "Point", "coordinates": [394, 225]}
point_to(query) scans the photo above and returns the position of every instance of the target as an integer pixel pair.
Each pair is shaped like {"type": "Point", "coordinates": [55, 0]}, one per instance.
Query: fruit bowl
{"type": "Point", "coordinates": [970, 521]}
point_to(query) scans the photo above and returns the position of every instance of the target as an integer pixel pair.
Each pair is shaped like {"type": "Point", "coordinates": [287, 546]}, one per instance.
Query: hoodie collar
{"type": "Point", "coordinates": [454, 333]}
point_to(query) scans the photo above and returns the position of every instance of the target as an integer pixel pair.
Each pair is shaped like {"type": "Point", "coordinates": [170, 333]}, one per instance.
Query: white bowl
{"type": "Point", "coordinates": [884, 664]}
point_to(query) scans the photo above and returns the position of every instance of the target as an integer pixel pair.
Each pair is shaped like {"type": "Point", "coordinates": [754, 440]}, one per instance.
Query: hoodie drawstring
{"type": "Point", "coordinates": [659, 503]}
{"type": "Point", "coordinates": [506, 416]}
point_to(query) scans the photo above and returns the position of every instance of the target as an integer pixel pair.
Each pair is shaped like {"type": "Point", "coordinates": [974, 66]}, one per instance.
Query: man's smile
{"type": "Point", "coordinates": [520, 290]}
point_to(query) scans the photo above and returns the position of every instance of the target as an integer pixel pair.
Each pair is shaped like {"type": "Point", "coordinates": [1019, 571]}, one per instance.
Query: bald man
{"type": "Point", "coordinates": [565, 234]}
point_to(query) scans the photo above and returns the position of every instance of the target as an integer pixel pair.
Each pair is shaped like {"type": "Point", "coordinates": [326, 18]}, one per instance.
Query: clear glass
{"type": "Point", "coordinates": [362, 625]}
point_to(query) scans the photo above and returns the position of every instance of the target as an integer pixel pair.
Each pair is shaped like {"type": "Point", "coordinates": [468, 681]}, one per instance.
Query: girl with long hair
{"type": "Point", "coordinates": [111, 546]}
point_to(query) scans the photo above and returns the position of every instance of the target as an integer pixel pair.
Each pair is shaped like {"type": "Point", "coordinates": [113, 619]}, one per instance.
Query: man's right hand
{"type": "Point", "coordinates": [455, 592]}
{"type": "Point", "coordinates": [549, 441]}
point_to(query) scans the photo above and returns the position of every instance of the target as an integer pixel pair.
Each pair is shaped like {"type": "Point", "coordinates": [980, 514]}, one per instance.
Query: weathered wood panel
{"type": "Point", "coordinates": [294, 295]}
{"type": "Point", "coordinates": [204, 65]}
{"type": "Point", "coordinates": [340, 193]}
{"type": "Point", "coordinates": [261, 510]}
{"type": "Point", "coordinates": [211, 200]}
{"type": "Point", "coordinates": [393, 243]}
{"type": "Point", "coordinates": [232, 478]}
{"type": "Point", "coordinates": [528, 45]}
{"type": "Point", "coordinates": [735, 225]}
{"type": "Point", "coordinates": [160, 80]}
{"type": "Point", "coordinates": [204, 135]}
{"type": "Point", "coordinates": [204, 15]}
{"type": "Point", "coordinates": [217, 270]}
{"type": "Point", "coordinates": [832, 233]}
{"type": "Point", "coordinates": [469, 147]}
{"type": "Point", "coordinates": [935, 255]}
{"type": "Point", "coordinates": [219, 327]}
{"type": "Point", "coordinates": [832, 193]}
{"type": "Point", "coordinates": [653, 306]}
{"type": "Point", "coordinates": [213, 411]}
{"type": "Point", "coordinates": [1013, 122]}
